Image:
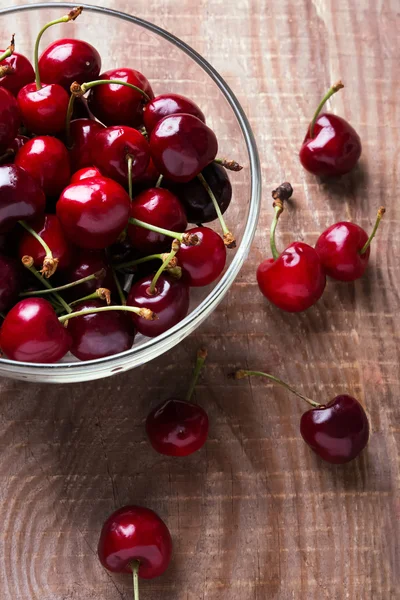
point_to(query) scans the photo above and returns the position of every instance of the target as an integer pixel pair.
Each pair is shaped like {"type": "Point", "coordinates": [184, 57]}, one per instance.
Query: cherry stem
{"type": "Point", "coordinates": [230, 165]}
{"type": "Point", "coordinates": [170, 256]}
{"type": "Point", "coordinates": [282, 192]}
{"type": "Point", "coordinates": [100, 294]}
{"type": "Point", "coordinates": [49, 263]}
{"type": "Point", "coordinates": [129, 160]}
{"type": "Point", "coordinates": [10, 50]}
{"type": "Point", "coordinates": [159, 181]}
{"type": "Point", "coordinates": [119, 288]}
{"type": "Point", "coordinates": [135, 572]}
{"type": "Point", "coordinates": [28, 264]}
{"type": "Point", "coordinates": [80, 90]}
{"type": "Point", "coordinates": [201, 358]}
{"type": "Point", "coordinates": [70, 111]}
{"type": "Point", "coordinates": [229, 239]}
{"type": "Point", "coordinates": [71, 16]}
{"type": "Point", "coordinates": [2, 315]}
{"type": "Point", "coordinates": [332, 90]}
{"type": "Point", "coordinates": [242, 374]}
{"type": "Point", "coordinates": [67, 286]}
{"type": "Point", "coordinates": [145, 313]}
{"type": "Point", "coordinates": [379, 216]}
{"type": "Point", "coordinates": [161, 230]}
{"type": "Point", "coordinates": [138, 261]}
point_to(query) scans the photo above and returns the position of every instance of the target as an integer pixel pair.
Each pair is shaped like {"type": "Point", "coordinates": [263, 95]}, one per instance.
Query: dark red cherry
{"type": "Point", "coordinates": [93, 212]}
{"type": "Point", "coordinates": [111, 147]}
{"type": "Point", "coordinates": [117, 104]}
{"type": "Point", "coordinates": [10, 282]}
{"type": "Point", "coordinates": [295, 280]}
{"type": "Point", "coordinates": [202, 263]}
{"type": "Point", "coordinates": [18, 73]}
{"type": "Point", "coordinates": [100, 334]}
{"type": "Point", "coordinates": [31, 332]}
{"type": "Point", "coordinates": [20, 197]}
{"type": "Point", "coordinates": [43, 111]}
{"type": "Point", "coordinates": [46, 159]}
{"type": "Point", "coordinates": [18, 143]}
{"type": "Point", "coordinates": [84, 264]}
{"type": "Point", "coordinates": [177, 428]}
{"type": "Point", "coordinates": [147, 180]}
{"type": "Point", "coordinates": [134, 533]}
{"type": "Point", "coordinates": [85, 173]}
{"type": "Point", "coordinates": [169, 104]}
{"type": "Point", "coordinates": [82, 135]}
{"type": "Point", "coordinates": [10, 119]}
{"type": "Point", "coordinates": [159, 207]}
{"type": "Point", "coordinates": [68, 60]}
{"type": "Point", "coordinates": [181, 146]}
{"type": "Point", "coordinates": [170, 302]}
{"type": "Point", "coordinates": [49, 229]}
{"type": "Point", "coordinates": [338, 431]}
{"type": "Point", "coordinates": [194, 196]}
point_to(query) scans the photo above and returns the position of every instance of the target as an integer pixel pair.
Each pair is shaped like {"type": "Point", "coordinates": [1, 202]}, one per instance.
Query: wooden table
{"type": "Point", "coordinates": [254, 515]}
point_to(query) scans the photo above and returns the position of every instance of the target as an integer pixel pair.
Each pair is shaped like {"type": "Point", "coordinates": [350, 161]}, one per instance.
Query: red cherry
{"type": "Point", "coordinates": [82, 135]}
{"type": "Point", "coordinates": [94, 212]}
{"type": "Point", "coordinates": [111, 148]}
{"type": "Point", "coordinates": [203, 262]}
{"type": "Point", "coordinates": [49, 229]}
{"type": "Point", "coordinates": [44, 110]}
{"type": "Point", "coordinates": [181, 146]}
{"type": "Point", "coordinates": [46, 159]}
{"type": "Point", "coordinates": [18, 72]}
{"type": "Point", "coordinates": [331, 145]}
{"type": "Point", "coordinates": [337, 431]}
{"type": "Point", "coordinates": [344, 249]}
{"type": "Point", "coordinates": [85, 173]}
{"type": "Point", "coordinates": [10, 119]}
{"type": "Point", "coordinates": [159, 207]}
{"type": "Point", "coordinates": [10, 282]}
{"type": "Point", "coordinates": [148, 179]}
{"type": "Point", "coordinates": [66, 61]}
{"type": "Point", "coordinates": [31, 332]}
{"type": "Point", "coordinates": [170, 302]}
{"type": "Point", "coordinates": [100, 334]}
{"type": "Point", "coordinates": [115, 104]}
{"type": "Point", "coordinates": [20, 197]}
{"type": "Point", "coordinates": [169, 104]}
{"type": "Point", "coordinates": [134, 533]}
{"type": "Point", "coordinates": [83, 265]}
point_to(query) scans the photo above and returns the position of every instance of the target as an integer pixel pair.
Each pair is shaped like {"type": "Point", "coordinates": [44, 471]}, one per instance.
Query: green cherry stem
{"type": "Point", "coordinates": [129, 160]}
{"type": "Point", "coordinates": [159, 181]}
{"type": "Point", "coordinates": [242, 374]}
{"type": "Point", "coordinates": [27, 261]}
{"type": "Point", "coordinates": [332, 90]}
{"type": "Point", "coordinates": [138, 261]}
{"type": "Point", "coordinates": [2, 315]}
{"type": "Point", "coordinates": [80, 90]}
{"type": "Point", "coordinates": [379, 216]}
{"type": "Point", "coordinates": [49, 262]}
{"type": "Point", "coordinates": [145, 313]}
{"type": "Point", "coordinates": [229, 239]}
{"type": "Point", "coordinates": [282, 192]}
{"type": "Point", "coordinates": [71, 16]}
{"type": "Point", "coordinates": [99, 294]}
{"type": "Point", "coordinates": [70, 111]}
{"type": "Point", "coordinates": [10, 50]}
{"type": "Point", "coordinates": [170, 256]}
{"type": "Point", "coordinates": [135, 573]}
{"type": "Point", "coordinates": [201, 358]}
{"type": "Point", "coordinates": [186, 238]}
{"type": "Point", "coordinates": [67, 286]}
{"type": "Point", "coordinates": [119, 287]}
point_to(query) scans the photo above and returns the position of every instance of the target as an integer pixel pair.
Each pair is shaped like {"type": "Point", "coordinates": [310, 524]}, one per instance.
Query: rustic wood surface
{"type": "Point", "coordinates": [254, 515]}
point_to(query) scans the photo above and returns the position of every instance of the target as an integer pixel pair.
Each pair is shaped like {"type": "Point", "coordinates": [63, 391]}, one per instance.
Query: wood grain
{"type": "Point", "coordinates": [254, 515]}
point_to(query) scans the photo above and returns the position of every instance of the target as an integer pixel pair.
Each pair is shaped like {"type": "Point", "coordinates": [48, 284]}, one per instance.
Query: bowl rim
{"type": "Point", "coordinates": [193, 319]}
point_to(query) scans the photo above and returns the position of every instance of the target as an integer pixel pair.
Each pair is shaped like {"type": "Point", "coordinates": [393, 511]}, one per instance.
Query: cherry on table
{"type": "Point", "coordinates": [10, 119]}
{"type": "Point", "coordinates": [10, 282]}
{"type": "Point", "coordinates": [21, 197]}
{"type": "Point", "coordinates": [331, 145]}
{"type": "Point", "coordinates": [48, 227]}
{"type": "Point", "coordinates": [178, 427]}
{"type": "Point", "coordinates": [82, 133]}
{"type": "Point", "coordinates": [344, 249]}
{"type": "Point", "coordinates": [169, 104]}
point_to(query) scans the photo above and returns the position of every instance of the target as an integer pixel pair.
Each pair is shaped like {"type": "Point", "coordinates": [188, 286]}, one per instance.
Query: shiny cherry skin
{"type": "Point", "coordinates": [85, 173]}
{"type": "Point", "coordinates": [66, 61]}
{"type": "Point", "coordinates": [147, 180]}
{"type": "Point", "coordinates": [169, 104]}
{"type": "Point", "coordinates": [117, 104]}
{"type": "Point", "coordinates": [195, 199]}
{"type": "Point", "coordinates": [83, 134]}
{"type": "Point", "coordinates": [159, 207]}
{"type": "Point", "coordinates": [93, 212]}
{"type": "Point", "coordinates": [46, 159]}
{"type": "Point", "coordinates": [10, 119]}
{"type": "Point", "coordinates": [43, 111]}
{"type": "Point", "coordinates": [10, 282]}
{"type": "Point", "coordinates": [50, 230]}
{"type": "Point", "coordinates": [100, 334]}
{"type": "Point", "coordinates": [84, 264]}
{"type": "Point", "coordinates": [111, 147]}
{"type": "Point", "coordinates": [31, 332]}
{"type": "Point", "coordinates": [339, 250]}
{"type": "Point", "coordinates": [204, 262]}
{"type": "Point", "coordinates": [177, 428]}
{"type": "Point", "coordinates": [182, 146]}
{"type": "Point", "coordinates": [170, 302]}
{"type": "Point", "coordinates": [135, 533]}
{"type": "Point", "coordinates": [338, 431]}
{"type": "Point", "coordinates": [21, 197]}
{"type": "Point", "coordinates": [334, 148]}
{"type": "Point", "coordinates": [22, 74]}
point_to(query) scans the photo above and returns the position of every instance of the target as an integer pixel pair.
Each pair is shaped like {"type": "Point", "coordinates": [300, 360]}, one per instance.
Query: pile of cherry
{"type": "Point", "coordinates": [98, 182]}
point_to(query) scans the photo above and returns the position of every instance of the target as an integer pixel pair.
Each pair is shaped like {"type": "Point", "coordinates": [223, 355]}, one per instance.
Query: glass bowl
{"type": "Point", "coordinates": [171, 66]}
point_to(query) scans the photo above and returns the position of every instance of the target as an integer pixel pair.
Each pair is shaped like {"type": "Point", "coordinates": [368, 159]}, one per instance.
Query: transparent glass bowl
{"type": "Point", "coordinates": [171, 66]}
